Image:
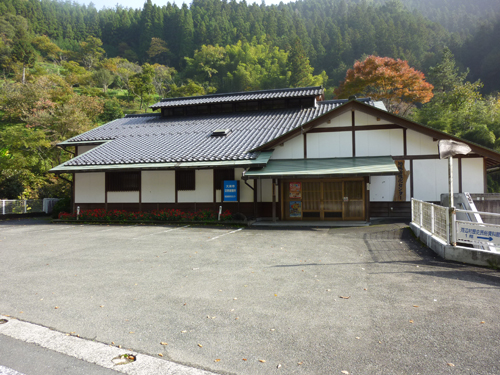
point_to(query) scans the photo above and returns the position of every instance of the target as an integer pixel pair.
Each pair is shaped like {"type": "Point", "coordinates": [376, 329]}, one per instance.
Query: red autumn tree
{"type": "Point", "coordinates": [382, 78]}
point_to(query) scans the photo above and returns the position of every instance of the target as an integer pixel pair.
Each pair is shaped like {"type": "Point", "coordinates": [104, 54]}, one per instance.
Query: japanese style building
{"type": "Point", "coordinates": [286, 153]}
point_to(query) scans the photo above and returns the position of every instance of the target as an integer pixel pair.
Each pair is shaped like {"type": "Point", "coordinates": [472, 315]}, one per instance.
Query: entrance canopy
{"type": "Point", "coordinates": [334, 167]}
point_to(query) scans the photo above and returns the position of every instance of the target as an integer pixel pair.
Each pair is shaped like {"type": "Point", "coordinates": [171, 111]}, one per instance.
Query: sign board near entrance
{"type": "Point", "coordinates": [230, 191]}
{"type": "Point", "coordinates": [478, 232]}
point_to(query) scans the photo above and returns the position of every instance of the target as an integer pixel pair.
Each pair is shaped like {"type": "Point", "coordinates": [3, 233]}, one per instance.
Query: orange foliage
{"type": "Point", "coordinates": [387, 79]}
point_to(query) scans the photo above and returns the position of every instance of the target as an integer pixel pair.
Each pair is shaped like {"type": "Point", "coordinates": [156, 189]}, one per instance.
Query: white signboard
{"type": "Point", "coordinates": [478, 232]}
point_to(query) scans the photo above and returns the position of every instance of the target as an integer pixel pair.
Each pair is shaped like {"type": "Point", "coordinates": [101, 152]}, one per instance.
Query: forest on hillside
{"type": "Point", "coordinates": [66, 68]}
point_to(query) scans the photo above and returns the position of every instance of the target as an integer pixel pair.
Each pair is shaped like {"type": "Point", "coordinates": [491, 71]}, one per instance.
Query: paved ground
{"type": "Point", "coordinates": [366, 300]}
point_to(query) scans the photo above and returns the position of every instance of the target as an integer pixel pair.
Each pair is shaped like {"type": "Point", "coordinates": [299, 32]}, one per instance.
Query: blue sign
{"type": "Point", "coordinates": [230, 193]}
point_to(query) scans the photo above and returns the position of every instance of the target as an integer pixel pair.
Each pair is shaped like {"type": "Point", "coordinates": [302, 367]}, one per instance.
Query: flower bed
{"type": "Point", "coordinates": [101, 214]}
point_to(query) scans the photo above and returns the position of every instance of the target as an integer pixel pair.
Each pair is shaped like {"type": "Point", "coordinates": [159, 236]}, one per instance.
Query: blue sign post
{"type": "Point", "coordinates": [230, 193]}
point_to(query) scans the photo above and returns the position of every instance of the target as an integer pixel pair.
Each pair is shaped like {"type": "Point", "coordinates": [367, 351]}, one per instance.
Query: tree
{"type": "Point", "coordinates": [393, 81]}
{"type": "Point", "coordinates": [23, 52]}
{"type": "Point", "coordinates": [103, 78]}
{"type": "Point", "coordinates": [142, 86]}
{"type": "Point", "coordinates": [158, 49]}
{"type": "Point", "coordinates": [91, 52]}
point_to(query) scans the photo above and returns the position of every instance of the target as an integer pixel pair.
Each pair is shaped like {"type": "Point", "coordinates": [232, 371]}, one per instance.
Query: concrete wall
{"type": "Point", "coordinates": [90, 187]}
{"type": "Point", "coordinates": [158, 186]}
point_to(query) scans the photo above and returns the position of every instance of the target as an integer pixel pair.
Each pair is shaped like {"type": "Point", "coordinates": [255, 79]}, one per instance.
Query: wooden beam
{"type": "Point", "coordinates": [358, 128]}
{"type": "Point", "coordinates": [305, 145]}
{"type": "Point", "coordinates": [353, 119]}
{"type": "Point", "coordinates": [405, 143]}
{"type": "Point", "coordinates": [411, 179]}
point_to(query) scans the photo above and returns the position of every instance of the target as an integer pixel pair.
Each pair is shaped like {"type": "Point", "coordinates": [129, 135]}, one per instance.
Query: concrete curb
{"type": "Point", "coordinates": [456, 253]}
{"type": "Point", "coordinates": [91, 351]}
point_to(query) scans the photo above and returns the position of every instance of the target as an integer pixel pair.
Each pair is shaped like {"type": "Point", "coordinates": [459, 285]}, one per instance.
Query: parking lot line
{"type": "Point", "coordinates": [164, 231]}
{"type": "Point", "coordinates": [225, 234]}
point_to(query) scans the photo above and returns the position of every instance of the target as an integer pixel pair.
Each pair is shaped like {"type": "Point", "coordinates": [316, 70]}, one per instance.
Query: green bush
{"type": "Point", "coordinates": [63, 205]}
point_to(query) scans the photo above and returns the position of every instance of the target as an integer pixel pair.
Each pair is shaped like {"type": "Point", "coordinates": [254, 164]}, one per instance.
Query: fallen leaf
{"type": "Point", "coordinates": [357, 338]}
{"type": "Point", "coordinates": [415, 305]}
{"type": "Point", "coordinates": [235, 298]}
{"type": "Point", "coordinates": [300, 363]}
{"type": "Point", "coordinates": [163, 343]}
{"type": "Point", "coordinates": [201, 346]}
{"type": "Point", "coordinates": [344, 297]}
{"type": "Point", "coordinates": [275, 295]}
{"type": "Point", "coordinates": [112, 342]}
{"type": "Point", "coordinates": [483, 322]}
{"type": "Point", "coordinates": [279, 365]}
{"type": "Point", "coordinates": [101, 306]}
{"type": "Point", "coordinates": [262, 360]}
{"type": "Point", "coordinates": [244, 359]}
{"type": "Point", "coordinates": [119, 346]}
{"type": "Point", "coordinates": [56, 307]}
{"type": "Point", "coordinates": [345, 372]}
{"type": "Point", "coordinates": [411, 321]}
{"type": "Point", "coordinates": [365, 289]}
{"type": "Point", "coordinates": [131, 332]}
{"type": "Point", "coordinates": [217, 360]}
{"type": "Point", "coordinates": [451, 364]}
{"type": "Point", "coordinates": [183, 331]}
{"type": "Point", "coordinates": [160, 355]}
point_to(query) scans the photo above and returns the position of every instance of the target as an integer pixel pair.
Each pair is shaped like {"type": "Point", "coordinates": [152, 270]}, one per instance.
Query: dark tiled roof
{"type": "Point", "coordinates": [153, 139]}
{"type": "Point", "coordinates": [241, 96]}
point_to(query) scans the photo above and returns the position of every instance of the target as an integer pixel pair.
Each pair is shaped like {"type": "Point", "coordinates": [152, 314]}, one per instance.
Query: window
{"type": "Point", "coordinates": [123, 181]}
{"type": "Point", "coordinates": [221, 175]}
{"type": "Point", "coordinates": [185, 179]}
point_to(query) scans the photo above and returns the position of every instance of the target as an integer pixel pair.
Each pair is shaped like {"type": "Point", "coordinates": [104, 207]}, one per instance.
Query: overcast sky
{"type": "Point", "coordinates": [99, 4]}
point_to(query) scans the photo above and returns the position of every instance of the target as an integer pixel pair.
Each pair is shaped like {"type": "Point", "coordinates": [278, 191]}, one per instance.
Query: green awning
{"type": "Point", "coordinates": [334, 167]}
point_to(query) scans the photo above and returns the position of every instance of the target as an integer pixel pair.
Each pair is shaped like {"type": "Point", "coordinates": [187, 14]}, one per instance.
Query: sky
{"type": "Point", "coordinates": [99, 4]}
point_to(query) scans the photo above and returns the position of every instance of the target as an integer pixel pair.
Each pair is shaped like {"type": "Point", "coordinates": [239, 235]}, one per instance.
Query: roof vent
{"type": "Point", "coordinates": [220, 132]}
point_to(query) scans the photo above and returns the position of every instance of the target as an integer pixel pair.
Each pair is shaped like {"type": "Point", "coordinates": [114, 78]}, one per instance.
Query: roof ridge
{"type": "Point", "coordinates": [132, 115]}
{"type": "Point", "coordinates": [241, 93]}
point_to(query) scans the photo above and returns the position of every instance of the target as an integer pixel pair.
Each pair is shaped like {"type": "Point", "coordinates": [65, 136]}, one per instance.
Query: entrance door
{"type": "Point", "coordinates": [324, 200]}
{"type": "Point", "coordinates": [354, 203]}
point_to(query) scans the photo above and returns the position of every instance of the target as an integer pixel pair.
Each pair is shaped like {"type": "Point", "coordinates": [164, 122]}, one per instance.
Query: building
{"type": "Point", "coordinates": [287, 154]}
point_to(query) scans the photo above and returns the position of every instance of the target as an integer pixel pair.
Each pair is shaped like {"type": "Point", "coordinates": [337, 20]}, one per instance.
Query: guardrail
{"type": "Point", "coordinates": [431, 217]}
{"type": "Point", "coordinates": [24, 206]}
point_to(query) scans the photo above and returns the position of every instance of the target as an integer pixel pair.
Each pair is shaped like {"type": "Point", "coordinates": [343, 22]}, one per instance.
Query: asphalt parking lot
{"type": "Point", "coordinates": [368, 300]}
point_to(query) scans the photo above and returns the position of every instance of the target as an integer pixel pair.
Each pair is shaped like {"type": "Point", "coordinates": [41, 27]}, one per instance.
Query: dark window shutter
{"type": "Point", "coordinates": [222, 174]}
{"type": "Point", "coordinates": [185, 179]}
{"type": "Point", "coordinates": [123, 181]}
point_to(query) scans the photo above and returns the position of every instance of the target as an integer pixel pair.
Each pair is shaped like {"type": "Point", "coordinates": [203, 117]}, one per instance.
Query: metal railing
{"type": "Point", "coordinates": [24, 206]}
{"type": "Point", "coordinates": [435, 219]}
{"type": "Point", "coordinates": [431, 217]}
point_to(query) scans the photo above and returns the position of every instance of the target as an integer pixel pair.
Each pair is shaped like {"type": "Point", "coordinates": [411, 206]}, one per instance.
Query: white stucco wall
{"type": "Point", "coordinates": [329, 145]}
{"type": "Point", "coordinates": [342, 120]}
{"type": "Point", "coordinates": [430, 178]}
{"type": "Point", "coordinates": [123, 197]}
{"type": "Point", "coordinates": [364, 119]}
{"type": "Point", "coordinates": [472, 175]}
{"type": "Point", "coordinates": [158, 186]}
{"type": "Point", "coordinates": [379, 142]}
{"type": "Point", "coordinates": [265, 191]}
{"type": "Point", "coordinates": [420, 144]}
{"type": "Point", "coordinates": [382, 187]}
{"type": "Point", "coordinates": [293, 149]}
{"type": "Point", "coordinates": [246, 194]}
{"type": "Point", "coordinates": [203, 193]}
{"type": "Point", "coordinates": [90, 187]}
